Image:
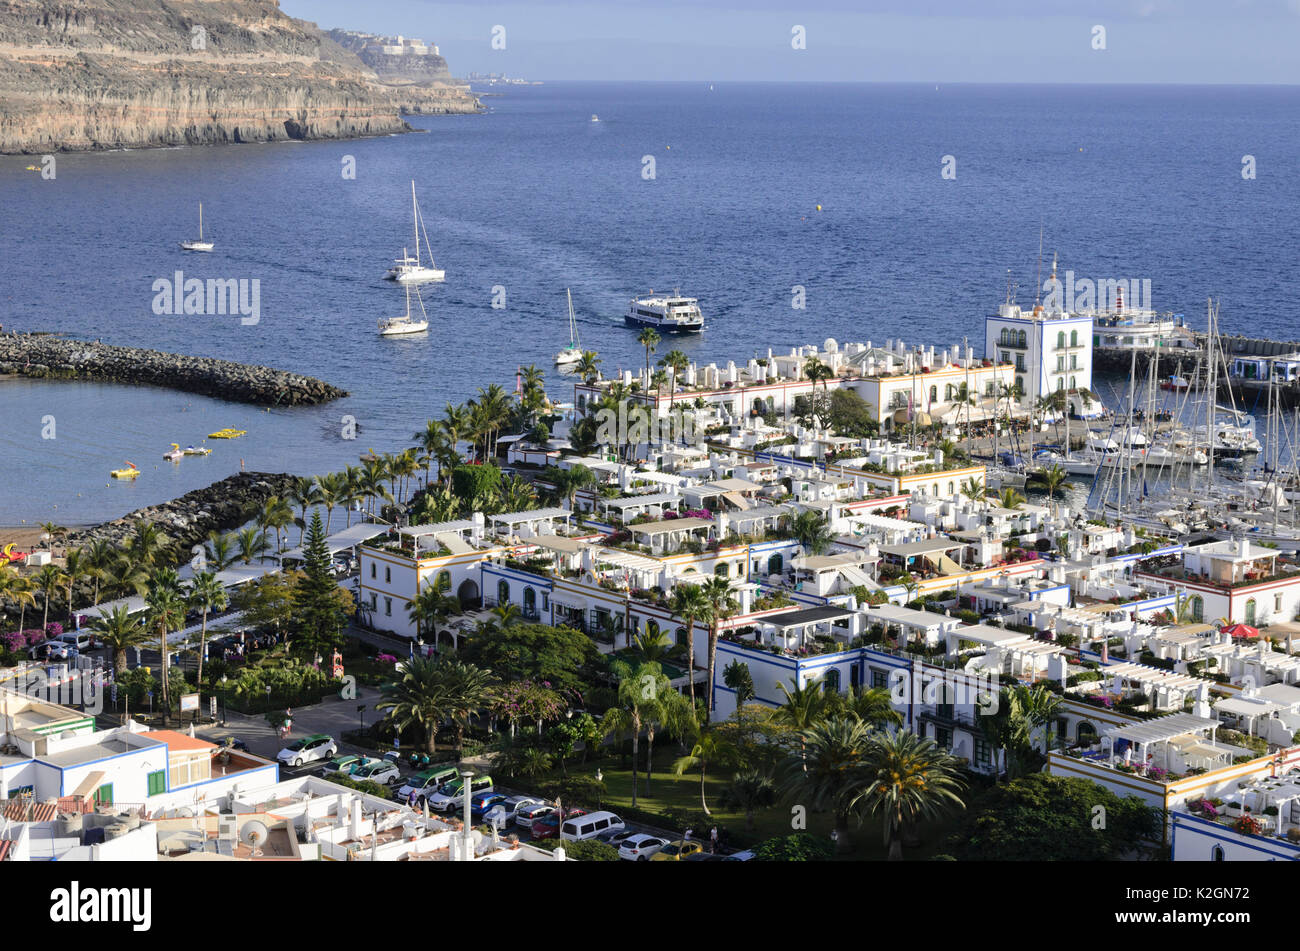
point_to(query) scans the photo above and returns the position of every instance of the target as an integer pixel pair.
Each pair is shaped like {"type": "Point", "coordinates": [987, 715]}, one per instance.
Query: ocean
{"type": "Point", "coordinates": [1124, 182]}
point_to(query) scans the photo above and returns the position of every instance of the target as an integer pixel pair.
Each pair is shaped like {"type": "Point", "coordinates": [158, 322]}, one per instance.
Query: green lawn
{"type": "Point", "coordinates": [677, 793]}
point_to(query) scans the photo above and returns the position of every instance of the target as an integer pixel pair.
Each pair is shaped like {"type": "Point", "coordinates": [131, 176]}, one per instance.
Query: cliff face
{"type": "Point", "coordinates": [95, 74]}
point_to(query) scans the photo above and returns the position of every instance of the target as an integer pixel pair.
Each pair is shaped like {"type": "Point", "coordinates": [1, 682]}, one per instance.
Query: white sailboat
{"type": "Point", "coordinates": [407, 269]}
{"type": "Point", "coordinates": [573, 352]}
{"type": "Point", "coordinates": [393, 326]}
{"type": "Point", "coordinates": [199, 245]}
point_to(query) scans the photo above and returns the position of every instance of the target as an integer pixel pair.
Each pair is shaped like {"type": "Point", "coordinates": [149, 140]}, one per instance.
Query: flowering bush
{"type": "Point", "coordinates": [1248, 825]}
{"type": "Point", "coordinates": [386, 659]}
{"type": "Point", "coordinates": [1206, 808]}
{"type": "Point", "coordinates": [698, 513]}
{"type": "Point", "coordinates": [18, 640]}
{"type": "Point", "coordinates": [53, 629]}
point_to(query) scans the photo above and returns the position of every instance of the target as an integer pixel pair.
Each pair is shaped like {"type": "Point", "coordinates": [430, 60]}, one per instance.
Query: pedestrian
{"type": "Point", "coordinates": [713, 840]}
{"type": "Point", "coordinates": [688, 835]}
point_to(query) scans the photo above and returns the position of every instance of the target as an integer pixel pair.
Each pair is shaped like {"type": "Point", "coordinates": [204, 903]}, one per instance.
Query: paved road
{"type": "Point", "coordinates": [332, 715]}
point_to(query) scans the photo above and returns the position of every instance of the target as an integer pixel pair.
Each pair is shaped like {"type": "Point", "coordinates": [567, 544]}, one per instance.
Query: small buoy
{"type": "Point", "coordinates": [819, 207]}
{"type": "Point", "coordinates": [668, 146]}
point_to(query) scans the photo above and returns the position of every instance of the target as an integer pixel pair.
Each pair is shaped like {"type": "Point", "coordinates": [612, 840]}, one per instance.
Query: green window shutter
{"type": "Point", "coordinates": [157, 782]}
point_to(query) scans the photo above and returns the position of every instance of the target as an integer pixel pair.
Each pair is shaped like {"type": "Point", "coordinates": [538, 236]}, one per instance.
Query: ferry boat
{"type": "Point", "coordinates": [667, 314]}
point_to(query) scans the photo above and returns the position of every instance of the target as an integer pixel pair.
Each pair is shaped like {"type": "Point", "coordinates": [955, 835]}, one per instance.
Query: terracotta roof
{"type": "Point", "coordinates": [178, 742]}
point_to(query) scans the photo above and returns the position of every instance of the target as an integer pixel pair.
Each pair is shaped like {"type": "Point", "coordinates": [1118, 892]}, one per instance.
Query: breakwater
{"type": "Point", "coordinates": [43, 356]}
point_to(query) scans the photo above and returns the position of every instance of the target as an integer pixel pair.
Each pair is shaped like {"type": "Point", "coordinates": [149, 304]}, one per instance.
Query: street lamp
{"type": "Point", "coordinates": [222, 691]}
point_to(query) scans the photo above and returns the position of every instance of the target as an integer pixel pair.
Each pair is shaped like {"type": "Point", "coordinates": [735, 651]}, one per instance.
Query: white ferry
{"type": "Point", "coordinates": [667, 314]}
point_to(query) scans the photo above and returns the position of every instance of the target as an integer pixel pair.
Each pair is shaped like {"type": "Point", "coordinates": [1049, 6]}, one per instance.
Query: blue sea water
{"type": "Point", "coordinates": [533, 197]}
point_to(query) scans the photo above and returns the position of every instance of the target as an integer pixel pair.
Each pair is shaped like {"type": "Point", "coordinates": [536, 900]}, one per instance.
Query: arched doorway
{"type": "Point", "coordinates": [503, 591]}
{"type": "Point", "coordinates": [776, 564]}
{"type": "Point", "coordinates": [530, 603]}
{"type": "Point", "coordinates": [1087, 733]}
{"type": "Point", "coordinates": [467, 594]}
{"type": "Point", "coordinates": [1250, 612]}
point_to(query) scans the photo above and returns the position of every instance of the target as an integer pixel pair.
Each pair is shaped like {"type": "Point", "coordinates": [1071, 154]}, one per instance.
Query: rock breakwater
{"type": "Point", "coordinates": [43, 356]}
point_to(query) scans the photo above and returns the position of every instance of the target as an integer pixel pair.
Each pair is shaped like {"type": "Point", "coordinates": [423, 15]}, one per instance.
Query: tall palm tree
{"type": "Point", "coordinates": [276, 515]}
{"type": "Point", "coordinates": [468, 690]}
{"type": "Point", "coordinates": [99, 562]}
{"type": "Point", "coordinates": [165, 612]}
{"type": "Point", "coordinates": [304, 493]}
{"type": "Point", "coordinates": [568, 481]}
{"type": "Point", "coordinates": [145, 546]}
{"type": "Point", "coordinates": [1052, 478]}
{"type": "Point", "coordinates": [677, 361]}
{"type": "Point", "coordinates": [330, 492]}
{"type": "Point", "coordinates": [826, 775]}
{"type": "Point", "coordinates": [648, 338]}
{"type": "Point", "coordinates": [708, 748]}
{"type": "Point", "coordinates": [690, 605]}
{"type": "Point", "coordinates": [53, 531]}
{"type": "Point", "coordinates": [456, 422]}
{"type": "Point", "coordinates": [816, 371]}
{"type": "Point", "coordinates": [75, 566]}
{"type": "Point", "coordinates": [421, 698]}
{"type": "Point", "coordinates": [670, 712]}
{"type": "Point", "coordinates": [805, 706]}
{"type": "Point", "coordinates": [637, 687]}
{"type": "Point", "coordinates": [205, 594]}
{"type": "Point", "coordinates": [911, 781]}
{"type": "Point", "coordinates": [50, 578]}
{"type": "Point", "coordinates": [871, 705]}
{"type": "Point", "coordinates": [722, 605]}
{"type": "Point", "coordinates": [119, 630]}
{"type": "Point", "coordinates": [21, 590]}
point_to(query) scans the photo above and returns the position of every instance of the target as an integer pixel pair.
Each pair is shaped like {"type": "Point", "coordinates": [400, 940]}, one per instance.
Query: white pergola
{"type": "Point", "coordinates": [349, 537]}
{"type": "Point", "coordinates": [1162, 730]}
{"type": "Point", "coordinates": [1274, 791]}
{"type": "Point", "coordinates": [530, 523]}
{"type": "Point", "coordinates": [1153, 681]}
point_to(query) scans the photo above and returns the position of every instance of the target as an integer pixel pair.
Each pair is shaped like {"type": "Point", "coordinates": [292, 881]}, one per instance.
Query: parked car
{"type": "Point", "coordinates": [615, 837]}
{"type": "Point", "coordinates": [703, 857]}
{"type": "Point", "coordinates": [677, 849]}
{"type": "Point", "coordinates": [639, 847]}
{"type": "Point", "coordinates": [507, 811]}
{"type": "Point", "coordinates": [77, 640]}
{"type": "Point", "coordinates": [745, 856]}
{"type": "Point", "coordinates": [377, 771]}
{"type": "Point", "coordinates": [53, 649]}
{"type": "Point", "coordinates": [525, 816]}
{"type": "Point", "coordinates": [548, 826]}
{"type": "Point", "coordinates": [481, 803]}
{"type": "Point", "coordinates": [577, 829]}
{"type": "Point", "coordinates": [346, 765]}
{"type": "Point", "coordinates": [309, 749]}
{"type": "Point", "coordinates": [427, 782]}
{"type": "Point", "coordinates": [452, 794]}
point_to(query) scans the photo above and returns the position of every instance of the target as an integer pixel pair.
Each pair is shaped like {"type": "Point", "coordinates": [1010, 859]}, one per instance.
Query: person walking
{"type": "Point", "coordinates": [713, 840]}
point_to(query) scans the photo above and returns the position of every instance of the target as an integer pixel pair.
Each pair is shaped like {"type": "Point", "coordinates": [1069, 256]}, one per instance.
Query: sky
{"type": "Point", "coordinates": [992, 41]}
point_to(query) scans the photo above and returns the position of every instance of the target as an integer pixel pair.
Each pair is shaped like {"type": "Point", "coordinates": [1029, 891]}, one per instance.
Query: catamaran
{"type": "Point", "coordinates": [393, 326]}
{"type": "Point", "coordinates": [573, 352]}
{"type": "Point", "coordinates": [412, 270]}
{"type": "Point", "coordinates": [199, 245]}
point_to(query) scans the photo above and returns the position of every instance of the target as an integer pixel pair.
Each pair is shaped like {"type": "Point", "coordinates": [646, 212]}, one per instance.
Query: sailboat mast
{"type": "Point", "coordinates": [415, 227]}
{"type": "Point", "coordinates": [200, 221]}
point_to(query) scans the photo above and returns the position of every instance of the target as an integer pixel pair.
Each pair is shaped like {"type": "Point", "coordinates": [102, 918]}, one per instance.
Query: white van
{"type": "Point", "coordinates": [590, 826]}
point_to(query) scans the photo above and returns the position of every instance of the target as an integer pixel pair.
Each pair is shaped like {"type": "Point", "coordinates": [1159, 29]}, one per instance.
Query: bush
{"type": "Point", "coordinates": [798, 847]}
{"type": "Point", "coordinates": [590, 850]}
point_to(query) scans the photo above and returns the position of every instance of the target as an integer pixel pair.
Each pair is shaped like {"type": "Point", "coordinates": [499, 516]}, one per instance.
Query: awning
{"type": "Point", "coordinates": [86, 788]}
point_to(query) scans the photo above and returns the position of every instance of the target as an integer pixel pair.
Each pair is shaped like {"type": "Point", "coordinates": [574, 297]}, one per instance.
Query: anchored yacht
{"type": "Point", "coordinates": [394, 326]}
{"type": "Point", "coordinates": [412, 270]}
{"type": "Point", "coordinates": [200, 244]}
{"type": "Point", "coordinates": [668, 314]}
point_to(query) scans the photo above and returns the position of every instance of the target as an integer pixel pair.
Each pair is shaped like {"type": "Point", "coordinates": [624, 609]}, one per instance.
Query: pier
{"type": "Point", "coordinates": [49, 357]}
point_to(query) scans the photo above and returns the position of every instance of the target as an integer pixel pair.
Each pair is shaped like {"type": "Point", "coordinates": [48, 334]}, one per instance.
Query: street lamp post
{"type": "Point", "coordinates": [466, 775]}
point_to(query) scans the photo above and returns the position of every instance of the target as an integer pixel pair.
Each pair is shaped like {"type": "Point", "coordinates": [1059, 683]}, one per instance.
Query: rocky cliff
{"type": "Point", "coordinates": [96, 74]}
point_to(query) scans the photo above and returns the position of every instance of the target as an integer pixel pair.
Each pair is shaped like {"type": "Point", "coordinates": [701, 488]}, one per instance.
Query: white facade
{"type": "Point", "coordinates": [1050, 351]}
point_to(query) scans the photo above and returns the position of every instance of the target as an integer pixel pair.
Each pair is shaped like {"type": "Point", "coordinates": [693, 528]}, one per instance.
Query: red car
{"type": "Point", "coordinates": [548, 826]}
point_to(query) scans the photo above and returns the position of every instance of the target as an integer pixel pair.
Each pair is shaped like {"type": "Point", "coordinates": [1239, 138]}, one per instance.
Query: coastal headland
{"type": "Point", "coordinates": [42, 356]}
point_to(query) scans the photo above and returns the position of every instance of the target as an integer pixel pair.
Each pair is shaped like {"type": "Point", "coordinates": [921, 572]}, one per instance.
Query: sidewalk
{"type": "Point", "coordinates": [332, 715]}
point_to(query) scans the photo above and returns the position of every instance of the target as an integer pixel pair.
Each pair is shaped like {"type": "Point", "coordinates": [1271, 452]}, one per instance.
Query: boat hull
{"type": "Point", "coordinates": [196, 245]}
{"type": "Point", "coordinates": [421, 275]}
{"type": "Point", "coordinates": [667, 327]}
{"type": "Point", "coordinates": [405, 327]}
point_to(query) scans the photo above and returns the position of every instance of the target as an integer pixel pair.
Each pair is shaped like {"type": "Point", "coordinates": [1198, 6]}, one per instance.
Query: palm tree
{"type": "Point", "coordinates": [276, 515]}
{"type": "Point", "coordinates": [677, 361]}
{"type": "Point", "coordinates": [304, 494]}
{"type": "Point", "coordinates": [330, 492]}
{"type": "Point", "coordinates": [22, 592]}
{"type": "Point", "coordinates": [813, 531]}
{"type": "Point", "coordinates": [506, 615]}
{"type": "Point", "coordinates": [422, 697]}
{"type": "Point", "coordinates": [217, 552]}
{"type": "Point", "coordinates": [973, 489]}
{"type": "Point", "coordinates": [911, 781]}
{"type": "Point", "coordinates": [52, 531]}
{"type": "Point", "coordinates": [119, 630]}
{"type": "Point", "coordinates": [672, 713]}
{"type": "Point", "coordinates": [689, 603]}
{"type": "Point", "coordinates": [871, 705]}
{"type": "Point", "coordinates": [805, 706]}
{"type": "Point", "coordinates": [1011, 499]}
{"type": "Point", "coordinates": [588, 366]}
{"type": "Point", "coordinates": [1052, 478]}
{"type": "Point", "coordinates": [652, 643]}
{"type": "Point", "coordinates": [206, 594]}
{"type": "Point", "coordinates": [165, 611]}
{"type": "Point", "coordinates": [749, 790]}
{"type": "Point", "coordinates": [708, 748]}
{"type": "Point", "coordinates": [648, 338]}
{"type": "Point", "coordinates": [722, 605]}
{"type": "Point", "coordinates": [146, 547]}
{"type": "Point", "coordinates": [49, 579]}
{"type": "Point", "coordinates": [456, 422]}
{"type": "Point", "coordinates": [427, 609]}
{"type": "Point", "coordinates": [568, 481]}
{"type": "Point", "coordinates": [637, 687]}
{"type": "Point", "coordinates": [817, 371]}
{"type": "Point", "coordinates": [75, 565]}
{"type": "Point", "coordinates": [467, 690]}
{"type": "Point", "coordinates": [826, 775]}
{"type": "Point", "coordinates": [251, 543]}
{"type": "Point", "coordinates": [99, 555]}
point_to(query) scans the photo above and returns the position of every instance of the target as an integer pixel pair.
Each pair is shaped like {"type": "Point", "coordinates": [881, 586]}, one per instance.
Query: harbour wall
{"type": "Point", "coordinates": [43, 356]}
